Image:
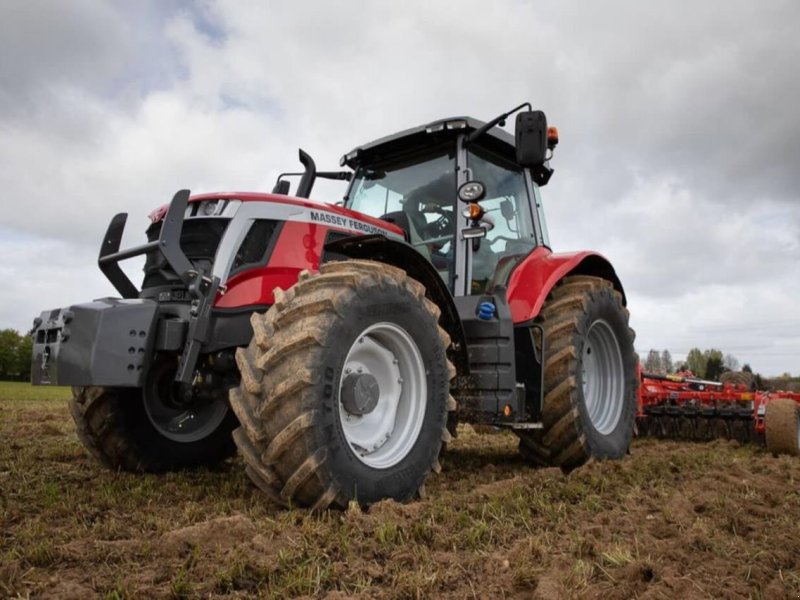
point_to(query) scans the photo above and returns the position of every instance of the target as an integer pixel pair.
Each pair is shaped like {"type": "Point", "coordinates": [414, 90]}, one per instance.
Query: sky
{"type": "Point", "coordinates": [679, 154]}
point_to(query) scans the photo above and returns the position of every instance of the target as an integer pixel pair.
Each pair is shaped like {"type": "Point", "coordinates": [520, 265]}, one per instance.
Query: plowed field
{"type": "Point", "coordinates": [672, 520]}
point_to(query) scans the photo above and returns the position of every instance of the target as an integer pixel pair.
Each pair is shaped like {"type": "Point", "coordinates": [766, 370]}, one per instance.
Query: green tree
{"type": "Point", "coordinates": [24, 356]}
{"type": "Point", "coordinates": [714, 368]}
{"type": "Point", "coordinates": [9, 341]}
{"type": "Point", "coordinates": [714, 363]}
{"type": "Point", "coordinates": [15, 355]}
{"type": "Point", "coordinates": [696, 361]}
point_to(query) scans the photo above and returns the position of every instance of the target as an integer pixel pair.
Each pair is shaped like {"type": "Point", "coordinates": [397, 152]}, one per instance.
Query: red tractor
{"type": "Point", "coordinates": [340, 344]}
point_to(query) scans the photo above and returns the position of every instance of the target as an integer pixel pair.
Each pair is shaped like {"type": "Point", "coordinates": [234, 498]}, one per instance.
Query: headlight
{"type": "Point", "coordinates": [208, 208]}
{"type": "Point", "coordinates": [471, 191]}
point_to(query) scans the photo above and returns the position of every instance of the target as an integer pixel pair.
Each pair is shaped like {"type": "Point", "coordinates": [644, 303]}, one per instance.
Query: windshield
{"type": "Point", "coordinates": [418, 195]}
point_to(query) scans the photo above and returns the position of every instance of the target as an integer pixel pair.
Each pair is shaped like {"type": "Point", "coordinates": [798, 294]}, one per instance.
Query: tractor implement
{"type": "Point", "coordinates": [684, 407]}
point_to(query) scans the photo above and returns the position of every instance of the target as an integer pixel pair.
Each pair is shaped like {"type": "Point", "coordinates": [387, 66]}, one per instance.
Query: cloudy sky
{"type": "Point", "coordinates": [679, 155]}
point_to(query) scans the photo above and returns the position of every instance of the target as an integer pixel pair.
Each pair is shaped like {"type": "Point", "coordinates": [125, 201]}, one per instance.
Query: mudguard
{"type": "Point", "coordinates": [534, 277]}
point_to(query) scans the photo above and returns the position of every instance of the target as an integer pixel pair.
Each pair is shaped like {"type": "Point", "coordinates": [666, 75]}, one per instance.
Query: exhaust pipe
{"type": "Point", "coordinates": [310, 174]}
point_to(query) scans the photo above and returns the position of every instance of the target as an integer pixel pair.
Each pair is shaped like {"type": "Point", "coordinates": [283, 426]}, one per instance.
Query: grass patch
{"type": "Point", "coordinates": [22, 391]}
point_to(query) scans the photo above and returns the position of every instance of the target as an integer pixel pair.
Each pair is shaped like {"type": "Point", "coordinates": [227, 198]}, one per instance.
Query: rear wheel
{"type": "Point", "coordinates": [144, 430]}
{"type": "Point", "coordinates": [590, 377]}
{"type": "Point", "coordinates": [782, 426]}
{"type": "Point", "coordinates": [345, 389]}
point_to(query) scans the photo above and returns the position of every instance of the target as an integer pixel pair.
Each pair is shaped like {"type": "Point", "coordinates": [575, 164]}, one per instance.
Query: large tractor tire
{"type": "Point", "coordinates": [590, 378]}
{"type": "Point", "coordinates": [345, 389]}
{"type": "Point", "coordinates": [136, 430]}
{"type": "Point", "coordinates": [782, 426]}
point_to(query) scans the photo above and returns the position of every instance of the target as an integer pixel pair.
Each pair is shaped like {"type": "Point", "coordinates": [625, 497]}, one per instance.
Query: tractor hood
{"type": "Point", "coordinates": [286, 208]}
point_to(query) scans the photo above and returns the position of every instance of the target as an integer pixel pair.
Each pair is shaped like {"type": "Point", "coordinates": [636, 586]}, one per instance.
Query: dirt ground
{"type": "Point", "coordinates": [672, 520]}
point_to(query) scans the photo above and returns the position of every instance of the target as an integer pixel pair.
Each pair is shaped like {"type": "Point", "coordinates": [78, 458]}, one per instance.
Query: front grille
{"type": "Point", "coordinates": [256, 245]}
{"type": "Point", "coordinates": [199, 241]}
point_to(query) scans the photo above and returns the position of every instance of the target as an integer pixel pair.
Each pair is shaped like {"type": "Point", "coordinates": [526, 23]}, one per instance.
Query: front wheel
{"type": "Point", "coordinates": [590, 376]}
{"type": "Point", "coordinates": [345, 389]}
{"type": "Point", "coordinates": [143, 430]}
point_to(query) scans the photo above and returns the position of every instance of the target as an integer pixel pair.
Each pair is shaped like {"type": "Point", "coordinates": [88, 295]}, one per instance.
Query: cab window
{"type": "Point", "coordinates": [507, 204]}
{"type": "Point", "coordinates": [418, 194]}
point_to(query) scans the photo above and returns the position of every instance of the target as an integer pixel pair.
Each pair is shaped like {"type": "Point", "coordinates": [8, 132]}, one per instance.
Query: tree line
{"type": "Point", "coordinates": [711, 364]}
{"type": "Point", "coordinates": [706, 364]}
{"type": "Point", "coordinates": [15, 355]}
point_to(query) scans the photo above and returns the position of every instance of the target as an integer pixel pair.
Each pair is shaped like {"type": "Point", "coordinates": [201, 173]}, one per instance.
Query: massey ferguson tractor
{"type": "Point", "coordinates": [338, 345]}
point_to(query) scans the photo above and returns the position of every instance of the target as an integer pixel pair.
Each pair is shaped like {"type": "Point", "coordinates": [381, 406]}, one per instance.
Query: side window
{"type": "Point", "coordinates": [509, 207]}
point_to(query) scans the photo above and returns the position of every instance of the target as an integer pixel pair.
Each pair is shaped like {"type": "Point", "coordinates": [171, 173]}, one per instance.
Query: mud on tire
{"type": "Point", "coordinates": [113, 425]}
{"type": "Point", "coordinates": [299, 443]}
{"type": "Point", "coordinates": [589, 399]}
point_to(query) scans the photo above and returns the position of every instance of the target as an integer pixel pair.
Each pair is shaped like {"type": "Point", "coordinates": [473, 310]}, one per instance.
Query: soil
{"type": "Point", "coordinates": [671, 520]}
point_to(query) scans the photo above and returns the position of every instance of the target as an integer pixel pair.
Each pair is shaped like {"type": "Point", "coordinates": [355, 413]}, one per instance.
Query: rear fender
{"type": "Point", "coordinates": [541, 270]}
{"type": "Point", "coordinates": [403, 256]}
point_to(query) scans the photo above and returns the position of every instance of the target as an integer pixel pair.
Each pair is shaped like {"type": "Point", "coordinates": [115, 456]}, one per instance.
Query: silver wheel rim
{"type": "Point", "coordinates": [385, 436]}
{"type": "Point", "coordinates": [603, 377]}
{"type": "Point", "coordinates": [183, 425]}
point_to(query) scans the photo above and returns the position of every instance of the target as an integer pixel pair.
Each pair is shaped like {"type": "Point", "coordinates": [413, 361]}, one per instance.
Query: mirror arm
{"type": "Point", "coordinates": [498, 120]}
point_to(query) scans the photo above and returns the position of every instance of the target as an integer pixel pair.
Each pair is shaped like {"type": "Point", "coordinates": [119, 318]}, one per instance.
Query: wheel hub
{"type": "Point", "coordinates": [382, 395]}
{"type": "Point", "coordinates": [166, 408]}
{"type": "Point", "coordinates": [360, 393]}
{"type": "Point", "coordinates": [603, 377]}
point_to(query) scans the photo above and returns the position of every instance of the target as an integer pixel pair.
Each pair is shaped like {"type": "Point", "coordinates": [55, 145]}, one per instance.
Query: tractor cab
{"type": "Point", "coordinates": [420, 180]}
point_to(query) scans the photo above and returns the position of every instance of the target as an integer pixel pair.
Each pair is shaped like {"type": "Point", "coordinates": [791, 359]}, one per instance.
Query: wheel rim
{"type": "Point", "coordinates": [603, 377]}
{"type": "Point", "coordinates": [179, 424]}
{"type": "Point", "coordinates": [386, 434]}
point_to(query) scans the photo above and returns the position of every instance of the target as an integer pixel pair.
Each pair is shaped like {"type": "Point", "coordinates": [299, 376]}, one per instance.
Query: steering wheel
{"type": "Point", "coordinates": [431, 232]}
{"type": "Point", "coordinates": [441, 227]}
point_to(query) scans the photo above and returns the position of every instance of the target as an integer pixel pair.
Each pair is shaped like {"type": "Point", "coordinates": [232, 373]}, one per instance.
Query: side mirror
{"type": "Point", "coordinates": [530, 133]}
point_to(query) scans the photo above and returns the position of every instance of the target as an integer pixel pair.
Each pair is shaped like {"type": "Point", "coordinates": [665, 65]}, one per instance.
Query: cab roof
{"type": "Point", "coordinates": [430, 134]}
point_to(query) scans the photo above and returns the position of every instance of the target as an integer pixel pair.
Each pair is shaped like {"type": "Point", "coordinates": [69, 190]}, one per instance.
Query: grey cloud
{"type": "Point", "coordinates": [680, 139]}
{"type": "Point", "coordinates": [49, 44]}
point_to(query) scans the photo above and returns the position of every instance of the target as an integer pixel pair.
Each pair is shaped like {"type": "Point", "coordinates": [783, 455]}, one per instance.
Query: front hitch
{"type": "Point", "coordinates": [168, 243]}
